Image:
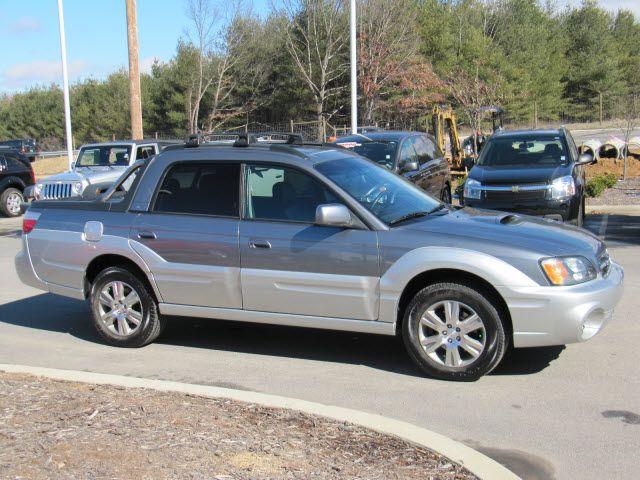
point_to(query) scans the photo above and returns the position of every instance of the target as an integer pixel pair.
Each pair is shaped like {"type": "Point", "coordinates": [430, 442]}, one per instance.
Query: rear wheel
{"type": "Point", "coordinates": [11, 201]}
{"type": "Point", "coordinates": [125, 314]}
{"type": "Point", "coordinates": [453, 331]}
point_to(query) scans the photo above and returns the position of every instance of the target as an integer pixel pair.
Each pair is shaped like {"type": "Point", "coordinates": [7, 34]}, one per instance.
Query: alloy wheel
{"type": "Point", "coordinates": [120, 308]}
{"type": "Point", "coordinates": [452, 334]}
{"type": "Point", "coordinates": [13, 203]}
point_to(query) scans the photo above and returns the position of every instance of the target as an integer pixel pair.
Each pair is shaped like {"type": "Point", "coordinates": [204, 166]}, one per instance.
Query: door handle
{"type": "Point", "coordinates": [259, 244]}
{"type": "Point", "coordinates": [146, 235]}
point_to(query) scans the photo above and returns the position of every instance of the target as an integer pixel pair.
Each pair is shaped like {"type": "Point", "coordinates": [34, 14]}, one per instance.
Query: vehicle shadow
{"type": "Point", "coordinates": [617, 230]}
{"type": "Point", "coordinates": [60, 314]}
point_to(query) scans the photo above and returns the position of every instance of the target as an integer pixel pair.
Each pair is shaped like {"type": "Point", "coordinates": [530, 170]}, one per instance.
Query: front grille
{"type": "Point", "coordinates": [604, 263]}
{"type": "Point", "coordinates": [52, 191]}
{"type": "Point", "coordinates": [509, 196]}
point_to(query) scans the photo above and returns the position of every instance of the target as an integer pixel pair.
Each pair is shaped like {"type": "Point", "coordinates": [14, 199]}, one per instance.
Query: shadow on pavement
{"type": "Point", "coordinates": [60, 314]}
{"type": "Point", "coordinates": [618, 230]}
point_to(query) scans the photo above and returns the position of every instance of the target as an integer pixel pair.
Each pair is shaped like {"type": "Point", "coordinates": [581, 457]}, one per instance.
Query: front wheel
{"type": "Point", "coordinates": [11, 202]}
{"type": "Point", "coordinates": [125, 314]}
{"type": "Point", "coordinates": [445, 196]}
{"type": "Point", "coordinates": [453, 331]}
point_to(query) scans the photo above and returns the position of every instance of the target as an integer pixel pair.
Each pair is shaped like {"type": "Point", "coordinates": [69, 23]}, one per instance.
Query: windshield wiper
{"type": "Point", "coordinates": [417, 214]}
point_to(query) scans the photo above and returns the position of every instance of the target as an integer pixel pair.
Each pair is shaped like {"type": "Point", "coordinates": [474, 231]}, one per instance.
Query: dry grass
{"type": "Point", "coordinates": [43, 167]}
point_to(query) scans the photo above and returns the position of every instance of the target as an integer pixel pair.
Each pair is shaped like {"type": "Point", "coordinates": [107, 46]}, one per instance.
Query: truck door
{"type": "Point", "coordinates": [189, 237]}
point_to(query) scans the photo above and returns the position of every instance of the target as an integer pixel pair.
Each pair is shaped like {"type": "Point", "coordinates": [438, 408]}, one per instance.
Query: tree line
{"type": "Point", "coordinates": [533, 58]}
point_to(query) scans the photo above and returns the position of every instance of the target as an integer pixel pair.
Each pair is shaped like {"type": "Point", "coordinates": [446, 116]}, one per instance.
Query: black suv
{"type": "Point", "coordinates": [16, 174]}
{"type": "Point", "coordinates": [414, 155]}
{"type": "Point", "coordinates": [26, 146]}
{"type": "Point", "coordinates": [535, 172]}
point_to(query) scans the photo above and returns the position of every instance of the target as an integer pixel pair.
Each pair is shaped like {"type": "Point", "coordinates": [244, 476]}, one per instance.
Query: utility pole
{"type": "Point", "coordinates": [65, 86]}
{"type": "Point", "coordinates": [354, 68]}
{"type": "Point", "coordinates": [134, 71]}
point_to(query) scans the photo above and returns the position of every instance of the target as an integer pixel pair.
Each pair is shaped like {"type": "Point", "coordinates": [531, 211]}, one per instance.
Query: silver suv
{"type": "Point", "coordinates": [99, 165]}
{"type": "Point", "coordinates": [316, 236]}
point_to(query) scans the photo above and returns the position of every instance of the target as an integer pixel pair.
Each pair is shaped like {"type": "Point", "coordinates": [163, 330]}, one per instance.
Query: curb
{"type": "Point", "coordinates": [633, 210]}
{"type": "Point", "coordinates": [474, 461]}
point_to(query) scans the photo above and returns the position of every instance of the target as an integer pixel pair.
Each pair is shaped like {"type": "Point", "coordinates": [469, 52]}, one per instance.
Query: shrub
{"type": "Point", "coordinates": [598, 184]}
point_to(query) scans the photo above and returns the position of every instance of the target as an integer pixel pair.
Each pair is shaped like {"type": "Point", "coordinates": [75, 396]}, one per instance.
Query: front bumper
{"type": "Point", "coordinates": [544, 315]}
{"type": "Point", "coordinates": [557, 210]}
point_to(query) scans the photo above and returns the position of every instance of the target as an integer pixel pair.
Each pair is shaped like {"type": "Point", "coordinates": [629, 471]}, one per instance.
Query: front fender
{"type": "Point", "coordinates": [495, 271]}
{"type": "Point", "coordinates": [12, 182]}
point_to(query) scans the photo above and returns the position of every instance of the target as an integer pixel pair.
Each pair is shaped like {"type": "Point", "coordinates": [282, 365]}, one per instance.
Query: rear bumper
{"type": "Point", "coordinates": [28, 276]}
{"type": "Point", "coordinates": [544, 316]}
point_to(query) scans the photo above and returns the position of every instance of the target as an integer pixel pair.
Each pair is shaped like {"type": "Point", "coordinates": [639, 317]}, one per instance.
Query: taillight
{"type": "Point", "coordinates": [33, 175]}
{"type": "Point", "coordinates": [29, 221]}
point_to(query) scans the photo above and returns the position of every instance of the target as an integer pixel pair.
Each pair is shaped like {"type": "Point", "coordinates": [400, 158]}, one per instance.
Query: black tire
{"type": "Point", "coordinates": [445, 195]}
{"type": "Point", "coordinates": [151, 324]}
{"type": "Point", "coordinates": [580, 217]}
{"type": "Point", "coordinates": [7, 197]}
{"type": "Point", "coordinates": [473, 298]}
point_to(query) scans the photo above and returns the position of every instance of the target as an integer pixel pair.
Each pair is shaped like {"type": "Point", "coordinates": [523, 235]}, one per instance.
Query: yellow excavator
{"type": "Point", "coordinates": [444, 124]}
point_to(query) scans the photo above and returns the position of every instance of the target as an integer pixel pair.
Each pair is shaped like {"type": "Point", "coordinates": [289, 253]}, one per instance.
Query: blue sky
{"type": "Point", "coordinates": [96, 36]}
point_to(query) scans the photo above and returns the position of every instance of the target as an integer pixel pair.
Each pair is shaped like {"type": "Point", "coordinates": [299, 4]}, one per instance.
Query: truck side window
{"type": "Point", "coordinates": [145, 152]}
{"type": "Point", "coordinates": [201, 189]}
{"type": "Point", "coordinates": [282, 193]}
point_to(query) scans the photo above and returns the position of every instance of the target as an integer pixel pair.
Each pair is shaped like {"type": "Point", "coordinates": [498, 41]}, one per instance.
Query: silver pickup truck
{"type": "Point", "coordinates": [317, 236]}
{"type": "Point", "coordinates": [98, 165]}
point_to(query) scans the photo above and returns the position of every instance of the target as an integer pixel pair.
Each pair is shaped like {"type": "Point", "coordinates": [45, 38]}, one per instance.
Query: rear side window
{"type": "Point", "coordinates": [201, 189]}
{"type": "Point", "coordinates": [145, 152]}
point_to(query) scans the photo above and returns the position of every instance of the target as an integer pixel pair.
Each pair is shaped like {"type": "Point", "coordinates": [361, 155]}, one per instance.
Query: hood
{"type": "Point", "coordinates": [502, 234]}
{"type": "Point", "coordinates": [517, 174]}
{"type": "Point", "coordinates": [88, 175]}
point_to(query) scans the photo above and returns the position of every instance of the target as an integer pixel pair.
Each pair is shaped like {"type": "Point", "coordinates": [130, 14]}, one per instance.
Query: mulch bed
{"type": "Point", "coordinates": [54, 429]}
{"type": "Point", "coordinates": [625, 192]}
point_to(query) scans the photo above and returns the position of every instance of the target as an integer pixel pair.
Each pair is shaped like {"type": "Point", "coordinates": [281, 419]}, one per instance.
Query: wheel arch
{"type": "Point", "coordinates": [429, 277]}
{"type": "Point", "coordinates": [12, 182]}
{"type": "Point", "coordinates": [102, 262]}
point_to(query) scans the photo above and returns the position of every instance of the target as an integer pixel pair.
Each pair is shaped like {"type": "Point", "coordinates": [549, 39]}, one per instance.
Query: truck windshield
{"type": "Point", "coordinates": [543, 151]}
{"type": "Point", "coordinates": [380, 152]}
{"type": "Point", "coordinates": [104, 156]}
{"type": "Point", "coordinates": [385, 194]}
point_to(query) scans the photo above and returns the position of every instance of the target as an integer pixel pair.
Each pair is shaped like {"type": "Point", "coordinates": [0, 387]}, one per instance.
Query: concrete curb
{"type": "Point", "coordinates": [474, 461]}
{"type": "Point", "coordinates": [633, 210]}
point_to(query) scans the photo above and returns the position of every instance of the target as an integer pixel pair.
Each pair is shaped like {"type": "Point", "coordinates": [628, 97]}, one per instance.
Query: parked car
{"type": "Point", "coordinates": [26, 146]}
{"type": "Point", "coordinates": [413, 155]}
{"type": "Point", "coordinates": [98, 165]}
{"type": "Point", "coordinates": [535, 172]}
{"type": "Point", "coordinates": [316, 236]}
{"type": "Point", "coordinates": [16, 174]}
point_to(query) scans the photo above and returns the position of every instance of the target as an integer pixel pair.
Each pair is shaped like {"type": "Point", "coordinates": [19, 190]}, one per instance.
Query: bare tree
{"type": "Point", "coordinates": [204, 18]}
{"type": "Point", "coordinates": [471, 93]}
{"type": "Point", "coordinates": [316, 39]}
{"type": "Point", "coordinates": [627, 120]}
{"type": "Point", "coordinates": [388, 42]}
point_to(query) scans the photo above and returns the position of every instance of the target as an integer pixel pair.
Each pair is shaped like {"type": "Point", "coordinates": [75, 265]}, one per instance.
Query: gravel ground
{"type": "Point", "coordinates": [626, 192]}
{"type": "Point", "coordinates": [54, 429]}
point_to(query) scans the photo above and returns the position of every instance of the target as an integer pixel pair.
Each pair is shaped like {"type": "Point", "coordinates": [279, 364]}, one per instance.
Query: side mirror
{"type": "Point", "coordinates": [586, 159]}
{"type": "Point", "coordinates": [410, 166]}
{"type": "Point", "coordinates": [333, 215]}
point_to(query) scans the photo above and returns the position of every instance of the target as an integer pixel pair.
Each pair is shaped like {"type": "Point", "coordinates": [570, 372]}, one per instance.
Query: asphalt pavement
{"type": "Point", "coordinates": [561, 412]}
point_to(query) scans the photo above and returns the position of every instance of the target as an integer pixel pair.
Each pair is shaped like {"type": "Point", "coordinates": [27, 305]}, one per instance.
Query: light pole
{"type": "Point", "coordinates": [354, 68]}
{"type": "Point", "coordinates": [65, 86]}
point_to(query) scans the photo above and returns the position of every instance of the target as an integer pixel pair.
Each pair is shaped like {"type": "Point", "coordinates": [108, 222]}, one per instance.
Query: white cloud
{"type": "Point", "coordinates": [39, 72]}
{"type": "Point", "coordinates": [25, 25]}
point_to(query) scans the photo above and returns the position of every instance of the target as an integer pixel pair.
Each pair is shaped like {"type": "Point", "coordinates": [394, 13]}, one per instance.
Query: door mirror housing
{"type": "Point", "coordinates": [586, 159]}
{"type": "Point", "coordinates": [333, 215]}
{"type": "Point", "coordinates": [409, 166]}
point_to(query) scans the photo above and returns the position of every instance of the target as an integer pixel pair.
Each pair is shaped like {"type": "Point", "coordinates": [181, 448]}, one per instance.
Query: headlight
{"type": "Point", "coordinates": [472, 189]}
{"type": "Point", "coordinates": [77, 187]}
{"type": "Point", "coordinates": [568, 270]}
{"type": "Point", "coordinates": [563, 187]}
